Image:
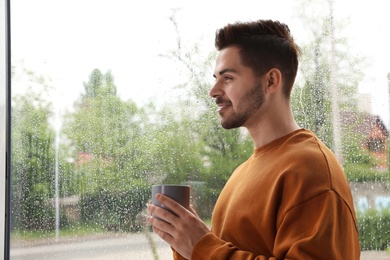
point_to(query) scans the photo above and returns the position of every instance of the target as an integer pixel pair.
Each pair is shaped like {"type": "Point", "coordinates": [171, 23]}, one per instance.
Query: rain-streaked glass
{"type": "Point", "coordinates": [111, 97]}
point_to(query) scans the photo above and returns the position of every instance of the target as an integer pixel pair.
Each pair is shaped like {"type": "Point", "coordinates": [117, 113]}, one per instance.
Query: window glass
{"type": "Point", "coordinates": [111, 97]}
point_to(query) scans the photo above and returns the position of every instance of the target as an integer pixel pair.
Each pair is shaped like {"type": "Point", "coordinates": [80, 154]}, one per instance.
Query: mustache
{"type": "Point", "coordinates": [220, 100]}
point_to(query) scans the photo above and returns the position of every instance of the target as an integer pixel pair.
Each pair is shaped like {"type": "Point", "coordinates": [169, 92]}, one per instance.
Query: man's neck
{"type": "Point", "coordinates": [271, 127]}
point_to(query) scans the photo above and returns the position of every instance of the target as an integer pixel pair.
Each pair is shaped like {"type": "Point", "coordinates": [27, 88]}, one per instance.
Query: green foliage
{"type": "Point", "coordinates": [356, 154]}
{"type": "Point", "coordinates": [105, 135]}
{"type": "Point", "coordinates": [99, 85]}
{"type": "Point", "coordinates": [174, 155]}
{"type": "Point", "coordinates": [115, 210]}
{"type": "Point", "coordinates": [33, 158]}
{"type": "Point", "coordinates": [365, 173]}
{"type": "Point", "coordinates": [203, 198]}
{"type": "Point", "coordinates": [40, 214]}
{"type": "Point", "coordinates": [224, 151]}
{"type": "Point", "coordinates": [374, 229]}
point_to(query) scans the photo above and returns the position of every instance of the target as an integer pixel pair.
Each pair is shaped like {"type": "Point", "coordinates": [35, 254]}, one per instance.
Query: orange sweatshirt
{"type": "Point", "coordinates": [289, 200]}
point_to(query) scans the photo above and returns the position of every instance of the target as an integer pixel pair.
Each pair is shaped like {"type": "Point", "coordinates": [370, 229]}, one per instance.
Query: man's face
{"type": "Point", "coordinates": [238, 92]}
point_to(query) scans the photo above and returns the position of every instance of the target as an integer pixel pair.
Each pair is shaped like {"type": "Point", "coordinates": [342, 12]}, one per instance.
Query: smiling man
{"type": "Point", "coordinates": [290, 199]}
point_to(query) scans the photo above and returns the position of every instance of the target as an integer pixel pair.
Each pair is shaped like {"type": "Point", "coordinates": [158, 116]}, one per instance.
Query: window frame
{"type": "Point", "coordinates": [5, 89]}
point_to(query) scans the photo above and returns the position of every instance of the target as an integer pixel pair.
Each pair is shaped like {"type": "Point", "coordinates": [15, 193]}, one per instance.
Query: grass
{"type": "Point", "coordinates": [365, 173]}
{"type": "Point", "coordinates": [78, 230]}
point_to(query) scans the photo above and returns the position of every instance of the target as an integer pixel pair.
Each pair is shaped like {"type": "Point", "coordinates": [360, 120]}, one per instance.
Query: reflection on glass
{"type": "Point", "coordinates": [111, 97]}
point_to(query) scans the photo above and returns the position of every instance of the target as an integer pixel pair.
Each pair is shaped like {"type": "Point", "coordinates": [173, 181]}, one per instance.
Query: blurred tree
{"type": "Point", "coordinates": [174, 153]}
{"type": "Point", "coordinates": [33, 160]}
{"type": "Point", "coordinates": [107, 136]}
{"type": "Point", "coordinates": [104, 133]}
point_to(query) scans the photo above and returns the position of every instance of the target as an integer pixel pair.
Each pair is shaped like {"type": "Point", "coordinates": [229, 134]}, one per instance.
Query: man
{"type": "Point", "coordinates": [290, 199]}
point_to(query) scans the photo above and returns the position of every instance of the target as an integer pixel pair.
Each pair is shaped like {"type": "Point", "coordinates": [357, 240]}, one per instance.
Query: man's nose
{"type": "Point", "coordinates": [215, 90]}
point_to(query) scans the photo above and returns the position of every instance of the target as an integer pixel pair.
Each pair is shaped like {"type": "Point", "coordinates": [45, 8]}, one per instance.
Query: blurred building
{"type": "Point", "coordinates": [372, 131]}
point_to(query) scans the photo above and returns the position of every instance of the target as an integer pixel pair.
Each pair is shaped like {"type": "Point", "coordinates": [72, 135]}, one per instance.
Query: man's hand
{"type": "Point", "coordinates": [181, 231]}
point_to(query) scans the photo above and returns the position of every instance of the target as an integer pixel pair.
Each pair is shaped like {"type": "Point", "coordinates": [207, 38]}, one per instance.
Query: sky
{"type": "Point", "coordinates": [64, 40]}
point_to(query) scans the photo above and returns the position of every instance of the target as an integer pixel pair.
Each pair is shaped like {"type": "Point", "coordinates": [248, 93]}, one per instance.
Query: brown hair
{"type": "Point", "coordinates": [263, 44]}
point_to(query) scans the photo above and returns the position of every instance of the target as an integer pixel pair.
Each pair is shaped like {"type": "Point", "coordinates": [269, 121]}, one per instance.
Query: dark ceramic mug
{"type": "Point", "coordinates": [179, 193]}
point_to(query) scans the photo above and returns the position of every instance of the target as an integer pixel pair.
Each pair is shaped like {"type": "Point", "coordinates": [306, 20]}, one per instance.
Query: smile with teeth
{"type": "Point", "coordinates": [223, 106]}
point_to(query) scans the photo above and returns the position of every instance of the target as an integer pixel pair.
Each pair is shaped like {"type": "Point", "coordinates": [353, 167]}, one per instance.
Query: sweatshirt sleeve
{"type": "Point", "coordinates": [311, 230]}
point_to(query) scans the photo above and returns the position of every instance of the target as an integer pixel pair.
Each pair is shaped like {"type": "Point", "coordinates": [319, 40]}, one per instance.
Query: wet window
{"type": "Point", "coordinates": [111, 97]}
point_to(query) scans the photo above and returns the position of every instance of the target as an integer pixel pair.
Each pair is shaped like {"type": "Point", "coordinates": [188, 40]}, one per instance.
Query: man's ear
{"type": "Point", "coordinates": [273, 80]}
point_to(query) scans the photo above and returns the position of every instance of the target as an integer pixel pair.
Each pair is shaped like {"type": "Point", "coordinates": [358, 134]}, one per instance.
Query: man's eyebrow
{"type": "Point", "coordinates": [224, 71]}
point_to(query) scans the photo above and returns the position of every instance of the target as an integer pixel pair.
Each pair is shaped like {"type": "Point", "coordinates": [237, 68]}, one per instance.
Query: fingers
{"type": "Point", "coordinates": [161, 228]}
{"type": "Point", "coordinates": [162, 222]}
{"type": "Point", "coordinates": [162, 213]}
{"type": "Point", "coordinates": [164, 219]}
{"type": "Point", "coordinates": [171, 209]}
{"type": "Point", "coordinates": [171, 204]}
{"type": "Point", "coordinates": [160, 225]}
{"type": "Point", "coordinates": [181, 228]}
{"type": "Point", "coordinates": [164, 235]}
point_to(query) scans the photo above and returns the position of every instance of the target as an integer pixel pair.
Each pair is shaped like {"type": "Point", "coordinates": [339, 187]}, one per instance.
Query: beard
{"type": "Point", "coordinates": [248, 105]}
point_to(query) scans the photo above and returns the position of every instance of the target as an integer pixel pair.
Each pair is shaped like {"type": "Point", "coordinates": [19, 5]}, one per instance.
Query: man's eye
{"type": "Point", "coordinates": [228, 78]}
